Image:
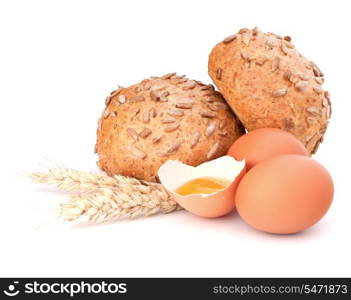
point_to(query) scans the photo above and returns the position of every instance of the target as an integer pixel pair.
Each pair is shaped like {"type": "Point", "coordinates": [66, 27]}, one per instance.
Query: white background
{"type": "Point", "coordinates": [58, 61]}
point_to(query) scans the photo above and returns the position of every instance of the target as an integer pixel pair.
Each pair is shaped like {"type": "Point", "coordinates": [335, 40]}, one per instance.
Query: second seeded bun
{"type": "Point", "coordinates": [268, 83]}
{"type": "Point", "coordinates": [162, 118]}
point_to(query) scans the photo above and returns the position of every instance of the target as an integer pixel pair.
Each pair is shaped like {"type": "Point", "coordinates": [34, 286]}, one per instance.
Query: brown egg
{"type": "Point", "coordinates": [261, 144]}
{"type": "Point", "coordinates": [285, 194]}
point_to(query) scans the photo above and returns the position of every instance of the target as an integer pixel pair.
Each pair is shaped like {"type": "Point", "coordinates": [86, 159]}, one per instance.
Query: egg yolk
{"type": "Point", "coordinates": [203, 185]}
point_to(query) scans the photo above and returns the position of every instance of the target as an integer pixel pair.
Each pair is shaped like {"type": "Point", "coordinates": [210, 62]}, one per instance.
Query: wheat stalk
{"type": "Point", "coordinates": [101, 198]}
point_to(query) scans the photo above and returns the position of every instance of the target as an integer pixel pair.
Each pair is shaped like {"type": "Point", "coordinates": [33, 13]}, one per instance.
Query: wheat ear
{"type": "Point", "coordinates": [102, 198]}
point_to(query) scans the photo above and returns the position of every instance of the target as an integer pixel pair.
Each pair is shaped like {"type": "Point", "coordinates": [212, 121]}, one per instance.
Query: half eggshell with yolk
{"type": "Point", "coordinates": [173, 174]}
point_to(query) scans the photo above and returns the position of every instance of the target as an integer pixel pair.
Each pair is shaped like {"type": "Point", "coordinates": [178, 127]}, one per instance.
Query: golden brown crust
{"type": "Point", "coordinates": [268, 83]}
{"type": "Point", "coordinates": [161, 118]}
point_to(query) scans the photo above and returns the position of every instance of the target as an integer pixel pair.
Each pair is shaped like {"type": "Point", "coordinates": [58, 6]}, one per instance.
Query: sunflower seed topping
{"type": "Point", "coordinates": [136, 99]}
{"type": "Point", "coordinates": [169, 75]}
{"type": "Point", "coordinates": [152, 112]}
{"type": "Point", "coordinates": [145, 116]}
{"type": "Point", "coordinates": [172, 127]}
{"type": "Point", "coordinates": [195, 139]}
{"type": "Point", "coordinates": [137, 89]}
{"type": "Point", "coordinates": [245, 56]}
{"type": "Point", "coordinates": [211, 129]}
{"type": "Point", "coordinates": [145, 132]}
{"type": "Point", "coordinates": [230, 38]}
{"type": "Point", "coordinates": [113, 114]}
{"type": "Point", "coordinates": [243, 30]}
{"type": "Point", "coordinates": [184, 105]}
{"type": "Point", "coordinates": [284, 49]}
{"type": "Point", "coordinates": [275, 63]}
{"type": "Point", "coordinates": [135, 112]}
{"type": "Point", "coordinates": [132, 133]}
{"type": "Point", "coordinates": [270, 43]}
{"type": "Point", "coordinates": [213, 151]}
{"type": "Point", "coordinates": [173, 147]}
{"type": "Point", "coordinates": [279, 93]}
{"type": "Point", "coordinates": [261, 60]}
{"type": "Point", "coordinates": [106, 113]}
{"type": "Point", "coordinates": [137, 152]}
{"type": "Point", "coordinates": [314, 110]}
{"type": "Point", "coordinates": [219, 74]}
{"type": "Point", "coordinates": [168, 120]}
{"type": "Point", "coordinates": [317, 72]}
{"type": "Point", "coordinates": [222, 133]}
{"type": "Point", "coordinates": [303, 76]}
{"type": "Point", "coordinates": [222, 105]}
{"type": "Point", "coordinates": [319, 80]}
{"type": "Point", "coordinates": [156, 139]}
{"type": "Point", "coordinates": [221, 124]}
{"type": "Point", "coordinates": [121, 99]}
{"type": "Point", "coordinates": [287, 75]}
{"type": "Point", "coordinates": [301, 85]}
{"type": "Point", "coordinates": [207, 114]}
{"type": "Point", "coordinates": [190, 84]}
{"type": "Point", "coordinates": [108, 100]}
{"type": "Point", "coordinates": [246, 39]}
{"type": "Point", "coordinates": [212, 107]}
{"type": "Point", "coordinates": [318, 90]}
{"type": "Point", "coordinates": [176, 112]}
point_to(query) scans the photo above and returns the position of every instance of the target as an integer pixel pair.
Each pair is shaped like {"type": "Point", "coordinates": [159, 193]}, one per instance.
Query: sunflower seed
{"type": "Point", "coordinates": [132, 133]}
{"type": "Point", "coordinates": [211, 129]}
{"type": "Point", "coordinates": [245, 56]}
{"type": "Point", "coordinates": [156, 139]}
{"type": "Point", "coordinates": [189, 85]}
{"type": "Point", "coordinates": [287, 75]}
{"type": "Point", "coordinates": [137, 89]}
{"type": "Point", "coordinates": [289, 123]}
{"type": "Point", "coordinates": [106, 113]}
{"type": "Point", "coordinates": [318, 90]}
{"type": "Point", "coordinates": [169, 75]}
{"type": "Point", "coordinates": [255, 31]}
{"type": "Point", "coordinates": [152, 112]}
{"type": "Point", "coordinates": [319, 80]}
{"type": "Point", "coordinates": [113, 114]}
{"type": "Point", "coordinates": [221, 124]}
{"type": "Point", "coordinates": [145, 116]}
{"type": "Point", "coordinates": [167, 120]}
{"type": "Point", "coordinates": [121, 99]}
{"type": "Point", "coordinates": [155, 95]}
{"type": "Point", "coordinates": [279, 93]}
{"type": "Point", "coordinates": [288, 44]}
{"type": "Point", "coordinates": [108, 100]}
{"type": "Point", "coordinates": [243, 30]}
{"type": "Point", "coordinates": [287, 38]}
{"type": "Point", "coordinates": [270, 43]}
{"type": "Point", "coordinates": [195, 139]}
{"type": "Point", "coordinates": [137, 152]}
{"type": "Point", "coordinates": [116, 91]}
{"type": "Point", "coordinates": [145, 132]}
{"type": "Point", "coordinates": [173, 147]}
{"type": "Point", "coordinates": [303, 76]}
{"type": "Point", "coordinates": [165, 94]}
{"type": "Point", "coordinates": [230, 38]}
{"type": "Point", "coordinates": [207, 87]}
{"type": "Point", "coordinates": [317, 71]}
{"type": "Point", "coordinates": [147, 86]}
{"type": "Point", "coordinates": [172, 127]}
{"type": "Point", "coordinates": [246, 39]}
{"type": "Point", "coordinates": [311, 120]}
{"type": "Point", "coordinates": [213, 151]}
{"type": "Point", "coordinates": [176, 112]}
{"type": "Point", "coordinates": [222, 133]}
{"type": "Point", "coordinates": [212, 107]}
{"type": "Point", "coordinates": [301, 85]}
{"type": "Point", "coordinates": [207, 114]}
{"type": "Point", "coordinates": [284, 49]}
{"type": "Point", "coordinates": [135, 112]}
{"type": "Point", "coordinates": [136, 99]}
{"type": "Point", "coordinates": [219, 74]}
{"type": "Point", "coordinates": [275, 63]}
{"type": "Point", "coordinates": [184, 105]}
{"type": "Point", "coordinates": [314, 110]}
{"type": "Point", "coordinates": [222, 105]}
{"type": "Point", "coordinates": [261, 60]}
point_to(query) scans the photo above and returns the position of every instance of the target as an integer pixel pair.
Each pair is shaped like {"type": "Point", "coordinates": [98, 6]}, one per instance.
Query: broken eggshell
{"type": "Point", "coordinates": [173, 174]}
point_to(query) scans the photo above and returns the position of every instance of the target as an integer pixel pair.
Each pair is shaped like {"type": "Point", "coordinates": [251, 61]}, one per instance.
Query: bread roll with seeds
{"type": "Point", "coordinates": [268, 83]}
{"type": "Point", "coordinates": [161, 118]}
